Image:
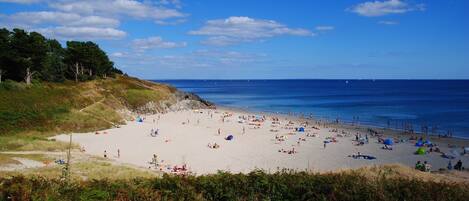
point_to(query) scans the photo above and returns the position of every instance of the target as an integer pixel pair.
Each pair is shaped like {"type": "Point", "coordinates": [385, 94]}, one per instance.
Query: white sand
{"type": "Point", "coordinates": [179, 144]}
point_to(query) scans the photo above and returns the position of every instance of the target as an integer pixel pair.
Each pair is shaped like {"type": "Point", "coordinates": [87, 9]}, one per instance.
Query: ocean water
{"type": "Point", "coordinates": [441, 105]}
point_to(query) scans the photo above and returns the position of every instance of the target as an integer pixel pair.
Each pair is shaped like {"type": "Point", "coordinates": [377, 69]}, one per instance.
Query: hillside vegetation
{"type": "Point", "coordinates": [257, 185]}
{"type": "Point", "coordinates": [46, 107]}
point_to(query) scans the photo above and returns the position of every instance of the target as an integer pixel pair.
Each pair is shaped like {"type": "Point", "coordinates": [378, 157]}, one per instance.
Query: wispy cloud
{"type": "Point", "coordinates": [387, 22]}
{"type": "Point", "coordinates": [234, 30]}
{"type": "Point", "coordinates": [76, 33]}
{"type": "Point", "coordinates": [125, 8]}
{"type": "Point", "coordinates": [60, 18]}
{"type": "Point", "coordinates": [21, 1]}
{"type": "Point", "coordinates": [196, 59]}
{"type": "Point", "coordinates": [381, 8]}
{"type": "Point", "coordinates": [144, 44]}
{"type": "Point", "coordinates": [91, 19]}
{"type": "Point", "coordinates": [325, 28]}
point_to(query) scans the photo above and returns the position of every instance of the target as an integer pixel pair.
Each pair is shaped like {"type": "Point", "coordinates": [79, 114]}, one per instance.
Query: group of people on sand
{"type": "Point", "coordinates": [291, 151]}
{"type": "Point", "coordinates": [424, 167]}
{"type": "Point", "coordinates": [359, 156]}
{"type": "Point", "coordinates": [458, 166]}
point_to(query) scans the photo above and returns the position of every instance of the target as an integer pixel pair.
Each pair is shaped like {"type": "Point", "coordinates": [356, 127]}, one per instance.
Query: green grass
{"type": "Point", "coordinates": [31, 143]}
{"type": "Point", "coordinates": [225, 186]}
{"type": "Point", "coordinates": [138, 98]}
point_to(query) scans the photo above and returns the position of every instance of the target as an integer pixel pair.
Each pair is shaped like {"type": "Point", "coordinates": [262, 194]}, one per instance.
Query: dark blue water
{"type": "Point", "coordinates": [441, 105]}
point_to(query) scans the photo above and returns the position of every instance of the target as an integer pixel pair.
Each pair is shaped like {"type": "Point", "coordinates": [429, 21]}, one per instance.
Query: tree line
{"type": "Point", "coordinates": [25, 56]}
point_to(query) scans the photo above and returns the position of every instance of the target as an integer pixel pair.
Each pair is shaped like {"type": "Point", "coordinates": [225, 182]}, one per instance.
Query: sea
{"type": "Point", "coordinates": [432, 106]}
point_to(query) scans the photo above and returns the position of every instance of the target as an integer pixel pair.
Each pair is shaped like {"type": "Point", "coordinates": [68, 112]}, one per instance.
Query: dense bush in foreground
{"type": "Point", "coordinates": [225, 186]}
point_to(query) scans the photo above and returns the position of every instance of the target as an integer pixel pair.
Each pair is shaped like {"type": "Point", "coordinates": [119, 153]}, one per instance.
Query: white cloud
{"type": "Point", "coordinates": [21, 1]}
{"type": "Point", "coordinates": [386, 22]}
{"type": "Point", "coordinates": [80, 33]}
{"type": "Point", "coordinates": [244, 29]}
{"type": "Point", "coordinates": [155, 42]}
{"type": "Point", "coordinates": [60, 18]}
{"type": "Point", "coordinates": [129, 8]}
{"type": "Point", "coordinates": [381, 8]}
{"type": "Point", "coordinates": [325, 28]}
{"type": "Point", "coordinates": [198, 58]}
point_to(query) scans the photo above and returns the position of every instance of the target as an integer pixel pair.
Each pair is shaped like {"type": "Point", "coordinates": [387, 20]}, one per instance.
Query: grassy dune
{"type": "Point", "coordinates": [29, 113]}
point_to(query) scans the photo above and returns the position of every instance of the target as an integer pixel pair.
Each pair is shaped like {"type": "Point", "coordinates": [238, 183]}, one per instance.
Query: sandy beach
{"type": "Point", "coordinates": [184, 138]}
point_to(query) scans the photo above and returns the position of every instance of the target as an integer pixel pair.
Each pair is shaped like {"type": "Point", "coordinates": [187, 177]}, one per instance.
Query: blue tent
{"type": "Point", "coordinates": [229, 137]}
{"type": "Point", "coordinates": [301, 129]}
{"type": "Point", "coordinates": [388, 141]}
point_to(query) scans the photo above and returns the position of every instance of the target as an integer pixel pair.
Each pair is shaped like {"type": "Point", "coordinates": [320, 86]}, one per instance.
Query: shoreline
{"type": "Point", "coordinates": [184, 136]}
{"type": "Point", "coordinates": [343, 123]}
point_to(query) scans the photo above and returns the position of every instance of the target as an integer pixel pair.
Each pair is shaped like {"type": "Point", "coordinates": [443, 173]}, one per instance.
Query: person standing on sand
{"type": "Point", "coordinates": [105, 154]}
{"type": "Point", "coordinates": [244, 130]}
{"type": "Point", "coordinates": [219, 132]}
{"type": "Point", "coordinates": [118, 153]}
{"type": "Point", "coordinates": [325, 145]}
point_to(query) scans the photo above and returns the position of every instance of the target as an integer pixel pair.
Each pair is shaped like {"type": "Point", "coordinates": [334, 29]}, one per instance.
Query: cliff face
{"type": "Point", "coordinates": [86, 106]}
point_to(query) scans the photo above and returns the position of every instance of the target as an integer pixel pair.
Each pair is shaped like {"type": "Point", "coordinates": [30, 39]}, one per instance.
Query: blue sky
{"type": "Point", "coordinates": [262, 39]}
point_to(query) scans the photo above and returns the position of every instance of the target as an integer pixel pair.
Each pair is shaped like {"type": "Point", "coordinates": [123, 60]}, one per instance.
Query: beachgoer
{"type": "Point", "coordinates": [450, 166]}
{"type": "Point", "coordinates": [458, 165]}
{"type": "Point", "coordinates": [219, 132]}
{"type": "Point", "coordinates": [105, 154]}
{"type": "Point", "coordinates": [118, 153]}
{"type": "Point", "coordinates": [244, 130]}
{"type": "Point", "coordinates": [325, 145]}
{"type": "Point", "coordinates": [427, 167]}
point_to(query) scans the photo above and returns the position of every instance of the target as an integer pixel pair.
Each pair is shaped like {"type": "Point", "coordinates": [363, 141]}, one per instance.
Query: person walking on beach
{"type": "Point", "coordinates": [244, 130]}
{"type": "Point", "coordinates": [325, 145]}
{"type": "Point", "coordinates": [118, 153]}
{"type": "Point", "coordinates": [219, 132]}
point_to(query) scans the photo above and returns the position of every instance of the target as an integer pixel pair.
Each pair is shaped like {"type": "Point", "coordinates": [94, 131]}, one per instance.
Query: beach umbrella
{"type": "Point", "coordinates": [420, 151]}
{"type": "Point", "coordinates": [388, 141]}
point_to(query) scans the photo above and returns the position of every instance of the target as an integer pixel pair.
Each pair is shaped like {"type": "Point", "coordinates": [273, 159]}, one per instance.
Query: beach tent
{"type": "Point", "coordinates": [419, 143]}
{"type": "Point", "coordinates": [229, 137]}
{"type": "Point", "coordinates": [420, 151]}
{"type": "Point", "coordinates": [388, 141]}
{"type": "Point", "coordinates": [301, 129]}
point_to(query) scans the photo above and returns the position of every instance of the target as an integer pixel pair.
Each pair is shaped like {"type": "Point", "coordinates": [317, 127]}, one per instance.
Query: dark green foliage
{"type": "Point", "coordinates": [225, 186]}
{"type": "Point", "coordinates": [48, 61]}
